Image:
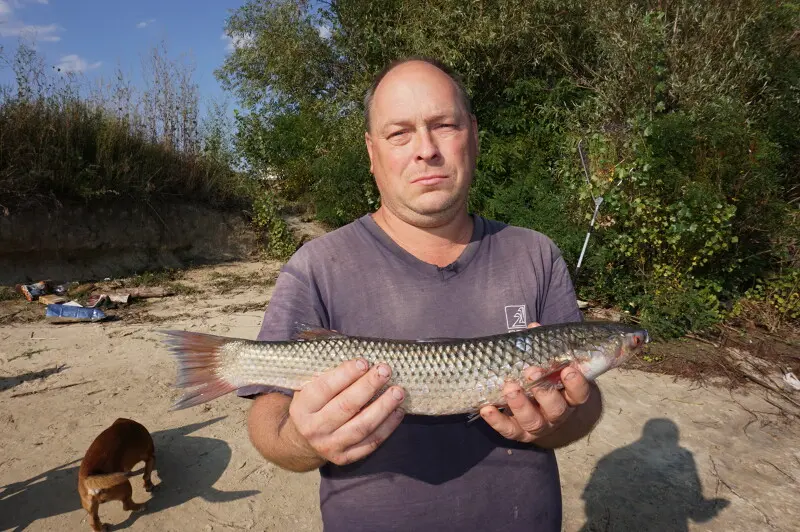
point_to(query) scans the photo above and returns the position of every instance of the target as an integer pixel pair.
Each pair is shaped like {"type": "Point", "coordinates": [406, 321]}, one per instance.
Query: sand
{"type": "Point", "coordinates": [667, 455]}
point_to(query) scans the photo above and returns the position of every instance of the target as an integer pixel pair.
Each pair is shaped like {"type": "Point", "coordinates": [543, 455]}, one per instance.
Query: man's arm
{"type": "Point", "coordinates": [268, 423]}
{"type": "Point", "coordinates": [327, 420]}
{"type": "Point", "coordinates": [274, 435]}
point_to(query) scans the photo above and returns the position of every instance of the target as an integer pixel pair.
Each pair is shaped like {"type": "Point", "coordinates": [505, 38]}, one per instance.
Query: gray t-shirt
{"type": "Point", "coordinates": [432, 473]}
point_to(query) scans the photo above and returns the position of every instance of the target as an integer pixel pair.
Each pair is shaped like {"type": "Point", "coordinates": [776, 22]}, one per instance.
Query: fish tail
{"type": "Point", "coordinates": [198, 356]}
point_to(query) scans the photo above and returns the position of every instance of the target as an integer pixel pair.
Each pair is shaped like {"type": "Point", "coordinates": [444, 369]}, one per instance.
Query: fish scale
{"type": "Point", "coordinates": [440, 377]}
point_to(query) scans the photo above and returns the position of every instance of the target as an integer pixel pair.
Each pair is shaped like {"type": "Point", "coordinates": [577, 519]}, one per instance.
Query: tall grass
{"type": "Point", "coordinates": [62, 138]}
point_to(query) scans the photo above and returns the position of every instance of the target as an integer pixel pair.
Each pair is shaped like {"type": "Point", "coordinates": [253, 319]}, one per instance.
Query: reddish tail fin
{"type": "Point", "coordinates": [198, 360]}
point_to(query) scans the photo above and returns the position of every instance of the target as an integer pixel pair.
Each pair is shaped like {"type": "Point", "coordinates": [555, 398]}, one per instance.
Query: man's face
{"type": "Point", "coordinates": [422, 145]}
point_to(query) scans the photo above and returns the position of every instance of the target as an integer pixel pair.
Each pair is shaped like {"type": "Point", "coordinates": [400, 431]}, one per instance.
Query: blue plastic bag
{"type": "Point", "coordinates": [59, 313]}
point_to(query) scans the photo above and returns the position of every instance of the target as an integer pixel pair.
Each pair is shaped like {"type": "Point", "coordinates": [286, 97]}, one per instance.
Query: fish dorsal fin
{"type": "Point", "coordinates": [304, 331]}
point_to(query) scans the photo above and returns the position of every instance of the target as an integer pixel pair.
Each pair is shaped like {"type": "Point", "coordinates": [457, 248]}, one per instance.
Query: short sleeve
{"type": "Point", "coordinates": [294, 300]}
{"type": "Point", "coordinates": [560, 303]}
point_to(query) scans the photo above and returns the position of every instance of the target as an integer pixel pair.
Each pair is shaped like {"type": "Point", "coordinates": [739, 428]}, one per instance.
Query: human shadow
{"type": "Point", "coordinates": [6, 383]}
{"type": "Point", "coordinates": [187, 467]}
{"type": "Point", "coordinates": [651, 484]}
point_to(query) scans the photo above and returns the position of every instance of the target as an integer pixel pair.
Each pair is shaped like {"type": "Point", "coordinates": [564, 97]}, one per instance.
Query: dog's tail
{"type": "Point", "coordinates": [96, 483]}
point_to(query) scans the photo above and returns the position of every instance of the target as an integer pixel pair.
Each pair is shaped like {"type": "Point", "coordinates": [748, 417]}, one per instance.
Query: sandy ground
{"type": "Point", "coordinates": [666, 455]}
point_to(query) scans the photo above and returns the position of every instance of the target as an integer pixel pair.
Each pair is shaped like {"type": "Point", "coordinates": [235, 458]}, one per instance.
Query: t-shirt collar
{"type": "Point", "coordinates": [444, 272]}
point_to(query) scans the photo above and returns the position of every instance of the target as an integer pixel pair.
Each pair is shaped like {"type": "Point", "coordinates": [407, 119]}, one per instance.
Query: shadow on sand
{"type": "Point", "coordinates": [6, 383]}
{"type": "Point", "coordinates": [651, 484]}
{"type": "Point", "coordinates": [186, 466]}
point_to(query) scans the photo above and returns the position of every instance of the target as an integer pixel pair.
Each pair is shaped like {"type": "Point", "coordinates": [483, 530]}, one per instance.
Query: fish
{"type": "Point", "coordinates": [441, 376]}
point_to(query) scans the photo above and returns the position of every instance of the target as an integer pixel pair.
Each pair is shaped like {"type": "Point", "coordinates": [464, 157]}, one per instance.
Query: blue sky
{"type": "Point", "coordinates": [96, 36]}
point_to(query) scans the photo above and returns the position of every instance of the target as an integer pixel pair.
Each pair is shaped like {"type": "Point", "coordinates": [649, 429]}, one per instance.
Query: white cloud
{"type": "Point", "coordinates": [15, 28]}
{"type": "Point", "coordinates": [74, 63]}
{"type": "Point", "coordinates": [238, 41]}
{"type": "Point", "coordinates": [11, 26]}
{"type": "Point", "coordinates": [21, 3]}
{"type": "Point", "coordinates": [145, 23]}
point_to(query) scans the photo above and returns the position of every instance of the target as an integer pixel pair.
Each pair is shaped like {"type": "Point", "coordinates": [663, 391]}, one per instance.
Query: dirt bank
{"type": "Point", "coordinates": [111, 239]}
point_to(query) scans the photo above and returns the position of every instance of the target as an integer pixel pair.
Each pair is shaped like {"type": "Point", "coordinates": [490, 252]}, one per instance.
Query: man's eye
{"type": "Point", "coordinates": [396, 134]}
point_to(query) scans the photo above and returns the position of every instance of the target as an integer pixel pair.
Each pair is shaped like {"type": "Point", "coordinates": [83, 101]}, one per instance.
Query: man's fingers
{"type": "Point", "coordinates": [526, 413]}
{"type": "Point", "coordinates": [503, 424]}
{"type": "Point", "coordinates": [576, 387]}
{"type": "Point", "coordinates": [368, 420]}
{"type": "Point", "coordinates": [374, 440]}
{"type": "Point", "coordinates": [350, 401]}
{"type": "Point", "coordinates": [319, 392]}
{"type": "Point", "coordinates": [534, 324]}
{"type": "Point", "coordinates": [552, 405]}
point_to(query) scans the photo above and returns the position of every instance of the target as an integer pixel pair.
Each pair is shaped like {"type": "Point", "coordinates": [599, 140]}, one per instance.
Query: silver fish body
{"type": "Point", "coordinates": [440, 377]}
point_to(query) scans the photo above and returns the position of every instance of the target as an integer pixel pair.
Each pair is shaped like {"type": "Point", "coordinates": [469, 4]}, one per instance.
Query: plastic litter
{"type": "Point", "coordinates": [792, 380]}
{"type": "Point", "coordinates": [35, 291]}
{"type": "Point", "coordinates": [51, 299]}
{"type": "Point", "coordinates": [119, 298]}
{"type": "Point", "coordinates": [98, 300]}
{"type": "Point", "coordinates": [60, 290]}
{"type": "Point", "coordinates": [32, 292]}
{"type": "Point", "coordinates": [73, 314]}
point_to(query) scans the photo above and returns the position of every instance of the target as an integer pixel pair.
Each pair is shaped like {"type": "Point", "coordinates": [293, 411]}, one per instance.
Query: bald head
{"type": "Point", "coordinates": [411, 68]}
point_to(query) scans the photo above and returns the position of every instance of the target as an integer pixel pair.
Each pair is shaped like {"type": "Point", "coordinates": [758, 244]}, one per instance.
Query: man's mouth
{"type": "Point", "coordinates": [429, 179]}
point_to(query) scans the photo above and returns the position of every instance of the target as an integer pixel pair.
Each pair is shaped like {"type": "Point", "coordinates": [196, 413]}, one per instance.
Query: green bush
{"type": "Point", "coordinates": [276, 236]}
{"type": "Point", "coordinates": [774, 301]}
{"type": "Point", "coordinates": [687, 112]}
{"type": "Point", "coordinates": [58, 143]}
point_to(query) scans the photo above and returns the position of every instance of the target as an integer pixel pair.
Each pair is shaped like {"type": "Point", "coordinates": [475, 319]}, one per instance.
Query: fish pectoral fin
{"type": "Point", "coordinates": [550, 379]}
{"type": "Point", "coordinates": [475, 415]}
{"type": "Point", "coordinates": [304, 331]}
{"type": "Point", "coordinates": [472, 417]}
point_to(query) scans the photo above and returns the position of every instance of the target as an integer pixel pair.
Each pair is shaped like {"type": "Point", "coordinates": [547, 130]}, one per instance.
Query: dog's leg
{"type": "Point", "coordinates": [148, 470]}
{"type": "Point", "coordinates": [127, 500]}
{"type": "Point", "coordinates": [96, 524]}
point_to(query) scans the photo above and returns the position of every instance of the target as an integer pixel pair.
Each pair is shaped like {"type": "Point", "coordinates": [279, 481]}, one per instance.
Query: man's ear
{"type": "Point", "coordinates": [368, 142]}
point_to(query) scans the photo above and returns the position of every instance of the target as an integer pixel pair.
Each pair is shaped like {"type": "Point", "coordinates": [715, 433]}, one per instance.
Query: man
{"type": "Point", "coordinates": [420, 267]}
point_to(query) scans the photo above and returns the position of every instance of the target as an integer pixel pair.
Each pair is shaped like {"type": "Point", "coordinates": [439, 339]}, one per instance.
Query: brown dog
{"type": "Point", "coordinates": [105, 469]}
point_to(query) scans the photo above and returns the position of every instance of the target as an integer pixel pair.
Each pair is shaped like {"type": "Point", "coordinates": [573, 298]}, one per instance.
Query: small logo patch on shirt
{"type": "Point", "coordinates": [515, 317]}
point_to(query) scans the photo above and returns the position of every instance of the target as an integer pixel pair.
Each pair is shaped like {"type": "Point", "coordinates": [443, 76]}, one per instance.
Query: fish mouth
{"type": "Point", "coordinates": [632, 343]}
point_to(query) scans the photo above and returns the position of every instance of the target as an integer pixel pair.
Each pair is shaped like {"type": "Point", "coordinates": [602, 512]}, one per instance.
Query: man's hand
{"type": "Point", "coordinates": [329, 415]}
{"type": "Point", "coordinates": [555, 417]}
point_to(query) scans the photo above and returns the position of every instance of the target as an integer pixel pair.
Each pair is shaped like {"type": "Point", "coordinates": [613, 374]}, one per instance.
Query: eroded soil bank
{"type": "Point", "coordinates": [112, 239]}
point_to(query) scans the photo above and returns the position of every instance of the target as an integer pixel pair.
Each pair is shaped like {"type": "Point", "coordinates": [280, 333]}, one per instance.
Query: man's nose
{"type": "Point", "coordinates": [426, 146]}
